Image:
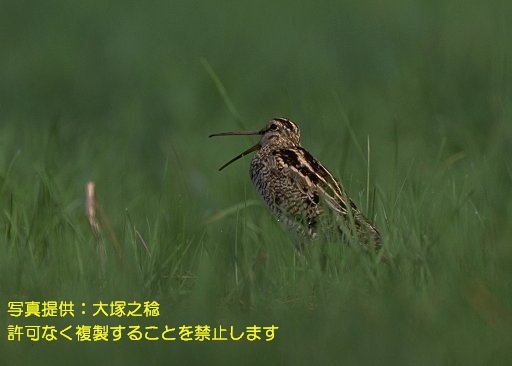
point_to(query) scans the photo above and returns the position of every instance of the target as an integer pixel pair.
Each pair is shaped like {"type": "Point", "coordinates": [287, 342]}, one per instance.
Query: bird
{"type": "Point", "coordinates": [298, 189]}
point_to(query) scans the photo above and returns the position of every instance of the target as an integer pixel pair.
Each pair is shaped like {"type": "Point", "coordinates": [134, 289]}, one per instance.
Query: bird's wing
{"type": "Point", "coordinates": [329, 188]}
{"type": "Point", "coordinates": [313, 178]}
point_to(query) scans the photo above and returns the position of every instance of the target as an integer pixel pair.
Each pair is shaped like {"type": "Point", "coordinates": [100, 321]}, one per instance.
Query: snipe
{"type": "Point", "coordinates": [297, 188]}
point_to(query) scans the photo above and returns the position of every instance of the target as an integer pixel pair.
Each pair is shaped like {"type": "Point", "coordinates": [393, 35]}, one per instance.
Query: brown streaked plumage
{"type": "Point", "coordinates": [297, 188]}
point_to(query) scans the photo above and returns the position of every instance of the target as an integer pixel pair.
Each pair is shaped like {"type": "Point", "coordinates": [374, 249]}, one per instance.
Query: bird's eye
{"type": "Point", "coordinates": [273, 127]}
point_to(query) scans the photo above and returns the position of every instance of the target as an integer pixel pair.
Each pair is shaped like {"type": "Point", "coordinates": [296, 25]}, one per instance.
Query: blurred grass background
{"type": "Point", "coordinates": [120, 93]}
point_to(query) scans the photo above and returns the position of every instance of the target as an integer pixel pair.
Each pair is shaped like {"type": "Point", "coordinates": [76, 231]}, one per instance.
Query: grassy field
{"type": "Point", "coordinates": [406, 101]}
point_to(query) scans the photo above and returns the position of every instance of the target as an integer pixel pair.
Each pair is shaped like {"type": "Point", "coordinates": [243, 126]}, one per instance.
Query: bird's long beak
{"type": "Point", "coordinates": [239, 133]}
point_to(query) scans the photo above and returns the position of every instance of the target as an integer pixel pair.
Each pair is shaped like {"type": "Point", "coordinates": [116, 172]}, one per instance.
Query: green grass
{"type": "Point", "coordinates": [126, 96]}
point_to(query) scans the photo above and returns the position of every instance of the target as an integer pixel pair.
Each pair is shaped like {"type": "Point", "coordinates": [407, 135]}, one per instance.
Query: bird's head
{"type": "Point", "coordinates": [280, 132]}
